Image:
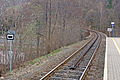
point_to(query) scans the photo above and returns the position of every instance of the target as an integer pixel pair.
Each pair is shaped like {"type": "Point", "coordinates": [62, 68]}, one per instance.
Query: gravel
{"type": "Point", "coordinates": [97, 69]}
{"type": "Point", "coordinates": [36, 71]}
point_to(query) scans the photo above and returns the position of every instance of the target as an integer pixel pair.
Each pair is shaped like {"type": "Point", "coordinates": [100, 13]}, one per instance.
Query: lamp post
{"type": "Point", "coordinates": [112, 24]}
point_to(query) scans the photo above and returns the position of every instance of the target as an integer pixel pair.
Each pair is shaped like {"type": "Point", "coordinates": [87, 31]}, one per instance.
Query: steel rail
{"type": "Point", "coordinates": [80, 59]}
{"type": "Point", "coordinates": [91, 60]}
{"type": "Point", "coordinates": [66, 60]}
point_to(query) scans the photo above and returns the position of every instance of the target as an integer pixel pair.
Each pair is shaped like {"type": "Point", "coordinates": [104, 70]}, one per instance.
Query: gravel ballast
{"type": "Point", "coordinates": [36, 71]}
{"type": "Point", "coordinates": [97, 69]}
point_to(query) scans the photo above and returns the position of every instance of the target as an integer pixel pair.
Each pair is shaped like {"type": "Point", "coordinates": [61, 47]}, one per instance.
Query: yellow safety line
{"type": "Point", "coordinates": [105, 67]}
{"type": "Point", "coordinates": [116, 45]}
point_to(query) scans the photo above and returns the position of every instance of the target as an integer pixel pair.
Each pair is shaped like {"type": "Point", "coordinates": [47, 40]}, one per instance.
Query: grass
{"type": "Point", "coordinates": [43, 57]}
{"type": "Point", "coordinates": [37, 60]}
{"type": "Point", "coordinates": [1, 47]}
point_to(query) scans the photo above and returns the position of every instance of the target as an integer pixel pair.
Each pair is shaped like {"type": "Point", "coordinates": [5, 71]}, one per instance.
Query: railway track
{"type": "Point", "coordinates": [76, 66]}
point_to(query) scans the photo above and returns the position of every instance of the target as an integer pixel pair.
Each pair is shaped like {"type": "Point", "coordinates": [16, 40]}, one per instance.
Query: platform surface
{"type": "Point", "coordinates": [112, 59]}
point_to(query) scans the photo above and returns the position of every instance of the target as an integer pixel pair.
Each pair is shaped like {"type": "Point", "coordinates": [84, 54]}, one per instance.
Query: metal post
{"type": "Point", "coordinates": [112, 30]}
{"type": "Point", "coordinates": [109, 34]}
{"type": "Point", "coordinates": [112, 24]}
{"type": "Point", "coordinates": [2, 31]}
{"type": "Point", "coordinates": [2, 28]}
{"type": "Point", "coordinates": [10, 38]}
{"type": "Point", "coordinates": [10, 55]}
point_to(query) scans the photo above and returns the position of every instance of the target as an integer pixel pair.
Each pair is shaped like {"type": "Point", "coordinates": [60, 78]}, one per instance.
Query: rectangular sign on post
{"type": "Point", "coordinates": [10, 37]}
{"type": "Point", "coordinates": [112, 23]}
{"type": "Point", "coordinates": [109, 29]}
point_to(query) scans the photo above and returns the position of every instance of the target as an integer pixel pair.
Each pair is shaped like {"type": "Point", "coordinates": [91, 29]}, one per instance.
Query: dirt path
{"type": "Point", "coordinates": [36, 71]}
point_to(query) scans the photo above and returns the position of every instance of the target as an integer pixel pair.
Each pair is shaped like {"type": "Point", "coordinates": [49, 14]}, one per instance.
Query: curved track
{"type": "Point", "coordinates": [76, 66]}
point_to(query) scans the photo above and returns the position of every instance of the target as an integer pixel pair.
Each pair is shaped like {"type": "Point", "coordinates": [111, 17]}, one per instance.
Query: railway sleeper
{"type": "Point", "coordinates": [70, 72]}
{"type": "Point", "coordinates": [90, 77]}
{"type": "Point", "coordinates": [55, 78]}
{"type": "Point", "coordinates": [68, 64]}
{"type": "Point", "coordinates": [90, 73]}
{"type": "Point", "coordinates": [81, 69]}
{"type": "Point", "coordinates": [66, 75]}
{"type": "Point", "coordinates": [59, 78]}
{"type": "Point", "coordinates": [92, 69]}
{"type": "Point", "coordinates": [43, 73]}
{"type": "Point", "coordinates": [73, 67]}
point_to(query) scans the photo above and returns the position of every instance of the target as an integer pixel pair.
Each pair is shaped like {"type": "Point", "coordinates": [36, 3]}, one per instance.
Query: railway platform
{"type": "Point", "coordinates": [112, 59]}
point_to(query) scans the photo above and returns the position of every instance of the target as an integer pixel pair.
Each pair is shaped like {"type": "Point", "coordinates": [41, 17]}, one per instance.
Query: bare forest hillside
{"type": "Point", "coordinates": [42, 26]}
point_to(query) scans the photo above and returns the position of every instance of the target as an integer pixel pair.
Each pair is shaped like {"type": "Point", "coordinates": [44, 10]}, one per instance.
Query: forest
{"type": "Point", "coordinates": [42, 26]}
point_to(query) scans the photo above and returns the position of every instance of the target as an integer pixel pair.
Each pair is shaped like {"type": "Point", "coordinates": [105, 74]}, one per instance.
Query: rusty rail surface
{"type": "Point", "coordinates": [91, 60]}
{"type": "Point", "coordinates": [77, 62]}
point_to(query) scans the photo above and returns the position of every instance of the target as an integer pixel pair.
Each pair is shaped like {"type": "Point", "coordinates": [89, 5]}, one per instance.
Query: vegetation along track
{"type": "Point", "coordinates": [76, 66]}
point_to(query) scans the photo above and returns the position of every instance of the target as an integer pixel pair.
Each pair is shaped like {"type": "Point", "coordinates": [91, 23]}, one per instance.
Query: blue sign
{"type": "Point", "coordinates": [113, 25]}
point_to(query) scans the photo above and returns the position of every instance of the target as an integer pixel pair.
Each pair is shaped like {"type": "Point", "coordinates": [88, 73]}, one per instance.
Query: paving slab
{"type": "Point", "coordinates": [112, 59]}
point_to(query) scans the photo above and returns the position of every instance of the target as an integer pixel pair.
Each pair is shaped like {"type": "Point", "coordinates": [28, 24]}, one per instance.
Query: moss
{"type": "Point", "coordinates": [43, 57]}
{"type": "Point", "coordinates": [1, 47]}
{"type": "Point", "coordinates": [55, 51]}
